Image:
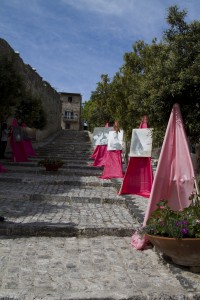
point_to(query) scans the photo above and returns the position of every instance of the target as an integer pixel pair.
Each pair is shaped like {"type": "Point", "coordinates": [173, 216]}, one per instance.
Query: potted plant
{"type": "Point", "coordinates": [176, 233]}
{"type": "Point", "coordinates": [51, 164]}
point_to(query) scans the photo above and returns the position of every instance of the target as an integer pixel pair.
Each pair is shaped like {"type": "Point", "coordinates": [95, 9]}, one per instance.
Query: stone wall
{"type": "Point", "coordinates": [37, 87]}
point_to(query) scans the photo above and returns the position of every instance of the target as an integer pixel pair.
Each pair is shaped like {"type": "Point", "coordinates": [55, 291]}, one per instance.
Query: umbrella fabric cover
{"type": "Point", "coordinates": [138, 178]}
{"type": "Point", "coordinates": [113, 165]}
{"type": "Point", "coordinates": [174, 178]}
{"type": "Point", "coordinates": [99, 153]}
{"type": "Point", "coordinates": [94, 154]}
{"type": "Point", "coordinates": [2, 169]}
{"type": "Point", "coordinates": [99, 156]}
{"type": "Point", "coordinates": [18, 151]}
{"type": "Point", "coordinates": [28, 144]}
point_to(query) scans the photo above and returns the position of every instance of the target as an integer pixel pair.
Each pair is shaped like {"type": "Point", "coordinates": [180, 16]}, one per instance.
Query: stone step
{"type": "Point", "coordinates": [72, 201]}
{"type": "Point", "coordinates": [65, 155]}
{"type": "Point", "coordinates": [46, 190]}
{"type": "Point", "coordinates": [75, 160]}
{"type": "Point", "coordinates": [94, 171]}
{"type": "Point", "coordinates": [66, 146]}
{"type": "Point", "coordinates": [62, 140]}
{"type": "Point", "coordinates": [41, 210]}
{"type": "Point", "coordinates": [34, 160]}
{"type": "Point", "coordinates": [53, 178]}
{"type": "Point", "coordinates": [69, 140]}
{"type": "Point", "coordinates": [65, 150]}
{"type": "Point", "coordinates": [66, 165]}
{"type": "Point", "coordinates": [61, 230]}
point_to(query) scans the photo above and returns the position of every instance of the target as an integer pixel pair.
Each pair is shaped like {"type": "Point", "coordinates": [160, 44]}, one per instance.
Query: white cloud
{"type": "Point", "coordinates": [72, 42]}
{"type": "Point", "coordinates": [132, 17]}
{"type": "Point", "coordinates": [110, 7]}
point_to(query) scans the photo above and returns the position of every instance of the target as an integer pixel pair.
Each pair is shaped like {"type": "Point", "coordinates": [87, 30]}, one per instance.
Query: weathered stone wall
{"type": "Point", "coordinates": [37, 87]}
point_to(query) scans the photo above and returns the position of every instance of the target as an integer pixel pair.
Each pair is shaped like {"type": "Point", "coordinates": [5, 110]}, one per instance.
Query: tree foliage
{"type": "Point", "coordinates": [14, 99]}
{"type": "Point", "coordinates": [31, 112]}
{"type": "Point", "coordinates": [96, 111]}
{"type": "Point", "coordinates": [154, 77]}
{"type": "Point", "coordinates": [11, 86]}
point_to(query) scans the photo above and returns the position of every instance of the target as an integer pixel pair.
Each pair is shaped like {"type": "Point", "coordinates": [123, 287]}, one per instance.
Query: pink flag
{"type": "Point", "coordinates": [174, 178]}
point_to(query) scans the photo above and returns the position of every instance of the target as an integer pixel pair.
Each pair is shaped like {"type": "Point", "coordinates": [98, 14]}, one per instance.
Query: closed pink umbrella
{"type": "Point", "coordinates": [2, 169]}
{"type": "Point", "coordinates": [18, 150]}
{"type": "Point", "coordinates": [174, 178]}
{"type": "Point", "coordinates": [27, 143]}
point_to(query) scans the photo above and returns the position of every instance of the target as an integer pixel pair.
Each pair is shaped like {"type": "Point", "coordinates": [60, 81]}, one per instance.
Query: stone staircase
{"type": "Point", "coordinates": [67, 234]}
{"type": "Point", "coordinates": [72, 201]}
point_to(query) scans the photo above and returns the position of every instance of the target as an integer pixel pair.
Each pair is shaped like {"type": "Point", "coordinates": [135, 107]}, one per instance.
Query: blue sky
{"type": "Point", "coordinates": [72, 42]}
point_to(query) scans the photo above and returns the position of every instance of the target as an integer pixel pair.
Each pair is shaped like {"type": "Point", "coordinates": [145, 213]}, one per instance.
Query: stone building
{"type": "Point", "coordinates": [71, 111]}
{"type": "Point", "coordinates": [37, 87]}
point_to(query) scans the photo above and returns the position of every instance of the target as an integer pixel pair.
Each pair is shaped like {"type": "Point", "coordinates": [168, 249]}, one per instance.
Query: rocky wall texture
{"type": "Point", "coordinates": [37, 87]}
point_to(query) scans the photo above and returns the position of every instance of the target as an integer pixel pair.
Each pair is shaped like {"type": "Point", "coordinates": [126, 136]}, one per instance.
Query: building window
{"type": "Point", "coordinates": [69, 114]}
{"type": "Point", "coordinates": [67, 126]}
{"type": "Point", "coordinates": [70, 99]}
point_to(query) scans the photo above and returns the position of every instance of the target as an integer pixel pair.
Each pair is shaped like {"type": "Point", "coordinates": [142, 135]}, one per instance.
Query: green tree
{"type": "Point", "coordinates": [14, 97]}
{"type": "Point", "coordinates": [96, 110]}
{"type": "Point", "coordinates": [174, 75]}
{"type": "Point", "coordinates": [127, 92]}
{"type": "Point", "coordinates": [30, 111]}
{"type": "Point", "coordinates": [11, 86]}
{"type": "Point", "coordinates": [154, 77]}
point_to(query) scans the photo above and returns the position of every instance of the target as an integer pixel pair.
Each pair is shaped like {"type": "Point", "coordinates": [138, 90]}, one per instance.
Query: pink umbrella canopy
{"type": "Point", "coordinates": [174, 177]}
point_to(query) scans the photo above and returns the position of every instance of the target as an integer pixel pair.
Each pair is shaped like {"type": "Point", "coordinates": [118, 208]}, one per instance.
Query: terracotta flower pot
{"type": "Point", "coordinates": [51, 168]}
{"type": "Point", "coordinates": [185, 251]}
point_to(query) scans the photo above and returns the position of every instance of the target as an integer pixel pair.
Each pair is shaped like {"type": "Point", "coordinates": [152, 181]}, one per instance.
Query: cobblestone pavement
{"type": "Point", "coordinates": [69, 237]}
{"type": "Point", "coordinates": [80, 268]}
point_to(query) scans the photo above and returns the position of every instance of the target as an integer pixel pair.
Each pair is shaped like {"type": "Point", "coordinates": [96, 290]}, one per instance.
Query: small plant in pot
{"type": "Point", "coordinates": [177, 224]}
{"type": "Point", "coordinates": [51, 164]}
{"type": "Point", "coordinates": [176, 233]}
